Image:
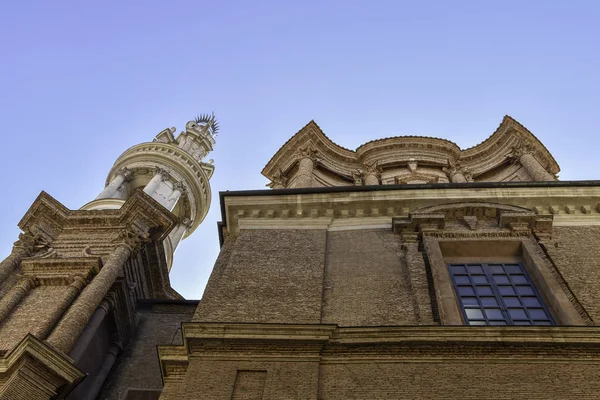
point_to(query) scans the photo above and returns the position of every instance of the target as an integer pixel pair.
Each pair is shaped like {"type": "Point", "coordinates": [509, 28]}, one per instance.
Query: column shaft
{"type": "Point", "coordinates": [534, 168]}
{"type": "Point", "coordinates": [112, 187]}
{"type": "Point", "coordinates": [15, 295]}
{"type": "Point", "coordinates": [76, 318]}
{"type": "Point", "coordinates": [153, 184]}
{"type": "Point", "coordinates": [371, 179]}
{"type": "Point", "coordinates": [304, 177]}
{"type": "Point", "coordinates": [43, 330]}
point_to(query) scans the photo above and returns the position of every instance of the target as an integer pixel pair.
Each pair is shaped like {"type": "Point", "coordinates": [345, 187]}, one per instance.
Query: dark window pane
{"type": "Point", "coordinates": [458, 269]}
{"type": "Point", "coordinates": [496, 269]}
{"type": "Point", "coordinates": [475, 269]}
{"type": "Point", "coordinates": [517, 313]}
{"type": "Point", "coordinates": [530, 302]}
{"type": "Point", "coordinates": [494, 313]}
{"type": "Point", "coordinates": [476, 322]}
{"type": "Point", "coordinates": [462, 280]}
{"type": "Point", "coordinates": [518, 279]}
{"type": "Point", "coordinates": [469, 301]}
{"type": "Point", "coordinates": [484, 290]}
{"type": "Point", "coordinates": [506, 290]}
{"type": "Point", "coordinates": [466, 291]}
{"type": "Point", "coordinates": [479, 279]}
{"type": "Point", "coordinates": [521, 323]}
{"type": "Point", "coordinates": [513, 269]}
{"type": "Point", "coordinates": [497, 322]}
{"type": "Point", "coordinates": [537, 313]}
{"type": "Point", "coordinates": [474, 313]}
{"type": "Point", "coordinates": [512, 301]}
{"type": "Point", "coordinates": [501, 279]}
{"type": "Point", "coordinates": [525, 290]}
{"type": "Point", "coordinates": [542, 323]}
{"type": "Point", "coordinates": [489, 301]}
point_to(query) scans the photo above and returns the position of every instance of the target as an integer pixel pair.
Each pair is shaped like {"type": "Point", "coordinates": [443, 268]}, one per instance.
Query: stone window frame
{"type": "Point", "coordinates": [448, 233]}
{"type": "Point", "coordinates": [441, 251]}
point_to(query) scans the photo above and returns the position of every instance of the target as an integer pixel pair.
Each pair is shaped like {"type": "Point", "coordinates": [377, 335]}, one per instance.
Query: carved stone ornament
{"type": "Point", "coordinates": [162, 172]}
{"type": "Point", "coordinates": [179, 186]}
{"type": "Point", "coordinates": [131, 238]}
{"type": "Point", "coordinates": [31, 243]}
{"type": "Point", "coordinates": [307, 151]}
{"type": "Point", "coordinates": [126, 173]}
{"type": "Point", "coordinates": [372, 168]}
{"type": "Point", "coordinates": [456, 167]}
{"type": "Point", "coordinates": [522, 147]}
{"type": "Point", "coordinates": [358, 175]}
{"type": "Point", "coordinates": [279, 179]}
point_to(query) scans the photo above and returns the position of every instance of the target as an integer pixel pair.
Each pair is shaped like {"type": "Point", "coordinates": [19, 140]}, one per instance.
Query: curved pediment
{"type": "Point", "coordinates": [394, 160]}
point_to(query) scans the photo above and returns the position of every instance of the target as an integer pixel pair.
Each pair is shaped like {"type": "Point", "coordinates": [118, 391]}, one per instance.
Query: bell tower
{"type": "Point", "coordinates": [71, 285]}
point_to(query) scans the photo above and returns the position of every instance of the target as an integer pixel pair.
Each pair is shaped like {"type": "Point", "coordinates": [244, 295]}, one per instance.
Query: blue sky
{"type": "Point", "coordinates": [80, 82]}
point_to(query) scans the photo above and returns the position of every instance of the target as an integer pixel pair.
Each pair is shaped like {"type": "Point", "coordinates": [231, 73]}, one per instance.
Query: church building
{"type": "Point", "coordinates": [408, 268]}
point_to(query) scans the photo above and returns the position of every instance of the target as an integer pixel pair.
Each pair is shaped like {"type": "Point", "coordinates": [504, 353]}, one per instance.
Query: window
{"type": "Point", "coordinates": [498, 294]}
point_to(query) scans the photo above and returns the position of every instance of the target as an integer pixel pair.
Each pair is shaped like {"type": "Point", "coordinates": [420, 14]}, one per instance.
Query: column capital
{"type": "Point", "coordinates": [307, 151]}
{"type": "Point", "coordinates": [457, 168]}
{"type": "Point", "coordinates": [164, 174]}
{"type": "Point", "coordinates": [126, 173]}
{"type": "Point", "coordinates": [279, 180]}
{"type": "Point", "coordinates": [521, 148]}
{"type": "Point", "coordinates": [179, 186]}
{"type": "Point", "coordinates": [131, 238]}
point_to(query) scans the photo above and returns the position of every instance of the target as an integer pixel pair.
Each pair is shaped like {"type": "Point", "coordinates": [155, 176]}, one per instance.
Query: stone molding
{"type": "Point", "coordinates": [329, 344]}
{"type": "Point", "coordinates": [64, 376]}
{"type": "Point", "coordinates": [545, 205]}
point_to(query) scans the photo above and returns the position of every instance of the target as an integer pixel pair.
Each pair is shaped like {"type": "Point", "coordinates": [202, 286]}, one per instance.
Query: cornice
{"type": "Point", "coordinates": [361, 209]}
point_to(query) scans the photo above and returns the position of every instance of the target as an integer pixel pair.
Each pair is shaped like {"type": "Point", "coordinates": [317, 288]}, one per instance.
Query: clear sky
{"type": "Point", "coordinates": [82, 81]}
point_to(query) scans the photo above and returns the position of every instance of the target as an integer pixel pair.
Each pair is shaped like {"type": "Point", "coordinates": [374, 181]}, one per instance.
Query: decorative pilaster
{"type": "Point", "coordinates": [114, 188]}
{"type": "Point", "coordinates": [74, 321]}
{"type": "Point", "coordinates": [307, 157]}
{"type": "Point", "coordinates": [523, 153]}
{"type": "Point", "coordinates": [415, 264]}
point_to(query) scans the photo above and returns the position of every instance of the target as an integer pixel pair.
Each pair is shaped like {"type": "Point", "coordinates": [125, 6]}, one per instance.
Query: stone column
{"type": "Point", "coordinates": [74, 321]}
{"type": "Point", "coordinates": [372, 172]}
{"type": "Point", "coordinates": [306, 164]}
{"type": "Point", "coordinates": [178, 190]}
{"type": "Point", "coordinates": [42, 331]}
{"type": "Point", "coordinates": [159, 176]}
{"type": "Point", "coordinates": [111, 191]}
{"type": "Point", "coordinates": [15, 295]}
{"type": "Point", "coordinates": [177, 234]}
{"type": "Point", "coordinates": [523, 154]}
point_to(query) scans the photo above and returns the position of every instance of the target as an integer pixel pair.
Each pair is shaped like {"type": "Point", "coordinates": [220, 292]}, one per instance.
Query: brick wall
{"type": "Point", "coordinates": [460, 380]}
{"type": "Point", "coordinates": [268, 276]}
{"type": "Point", "coordinates": [576, 253]}
{"type": "Point", "coordinates": [210, 380]}
{"type": "Point", "coordinates": [367, 280]}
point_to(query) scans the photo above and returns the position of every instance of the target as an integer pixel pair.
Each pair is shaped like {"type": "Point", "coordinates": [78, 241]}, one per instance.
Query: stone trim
{"type": "Point", "coordinates": [65, 376]}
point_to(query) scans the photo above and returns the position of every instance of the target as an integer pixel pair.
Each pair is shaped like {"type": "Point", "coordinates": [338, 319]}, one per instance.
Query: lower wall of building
{"type": "Point", "coordinates": [137, 366]}
{"type": "Point", "coordinates": [460, 380]}
{"type": "Point", "coordinates": [575, 251]}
